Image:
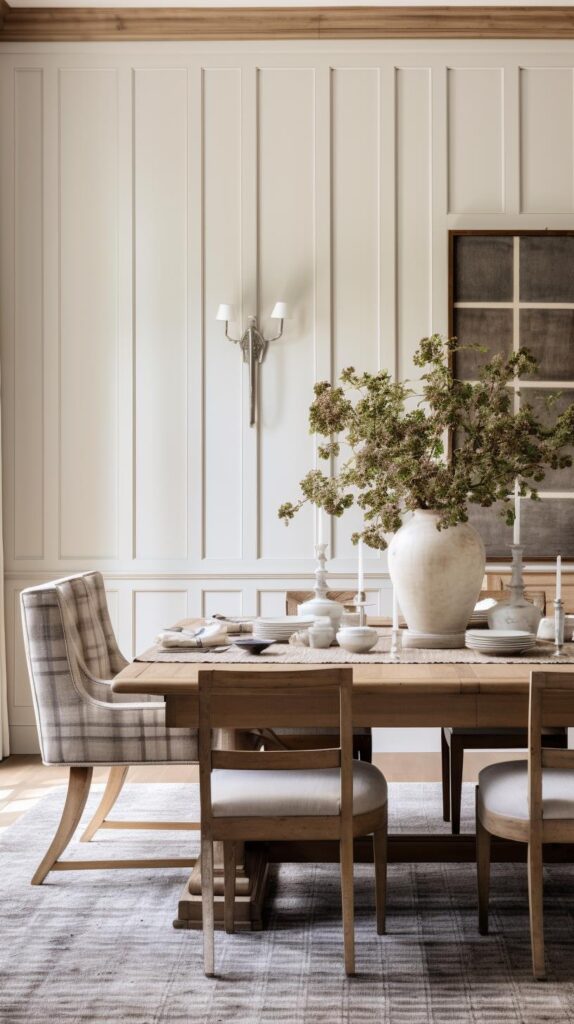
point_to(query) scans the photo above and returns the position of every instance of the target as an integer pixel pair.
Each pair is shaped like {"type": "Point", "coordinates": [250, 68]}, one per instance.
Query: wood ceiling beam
{"type": "Point", "coordinates": [71, 24]}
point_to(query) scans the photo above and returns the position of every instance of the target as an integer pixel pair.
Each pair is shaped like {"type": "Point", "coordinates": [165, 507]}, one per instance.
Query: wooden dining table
{"type": "Point", "coordinates": [399, 695]}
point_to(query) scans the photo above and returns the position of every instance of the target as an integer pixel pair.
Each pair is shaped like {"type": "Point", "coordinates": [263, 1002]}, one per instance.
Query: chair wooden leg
{"type": "Point", "coordinates": [348, 900]}
{"type": "Point", "coordinates": [229, 859]}
{"type": "Point", "coordinates": [116, 779]}
{"type": "Point", "coordinates": [456, 761]}
{"type": "Point", "coordinates": [482, 871]}
{"type": "Point", "coordinates": [535, 902]}
{"type": "Point", "coordinates": [445, 769]}
{"type": "Point", "coordinates": [207, 904]}
{"type": "Point", "coordinates": [380, 859]}
{"type": "Point", "coordinates": [79, 782]}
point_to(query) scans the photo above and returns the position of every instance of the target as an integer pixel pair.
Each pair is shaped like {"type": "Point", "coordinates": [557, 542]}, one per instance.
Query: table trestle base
{"type": "Point", "coordinates": [251, 888]}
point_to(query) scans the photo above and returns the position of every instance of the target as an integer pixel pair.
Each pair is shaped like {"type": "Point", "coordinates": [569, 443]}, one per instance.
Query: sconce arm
{"type": "Point", "coordinates": [236, 341]}
{"type": "Point", "coordinates": [277, 336]}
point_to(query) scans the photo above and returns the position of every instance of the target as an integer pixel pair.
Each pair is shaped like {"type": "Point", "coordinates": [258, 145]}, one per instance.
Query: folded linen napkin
{"type": "Point", "coordinates": [211, 635]}
{"type": "Point", "coordinates": [233, 625]}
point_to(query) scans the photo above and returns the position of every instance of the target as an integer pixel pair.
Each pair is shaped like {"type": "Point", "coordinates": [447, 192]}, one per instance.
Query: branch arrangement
{"type": "Point", "coordinates": [391, 437]}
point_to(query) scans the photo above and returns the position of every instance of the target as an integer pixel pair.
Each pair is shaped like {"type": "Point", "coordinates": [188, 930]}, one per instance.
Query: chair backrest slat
{"type": "Point", "coordinates": [283, 683]}
{"type": "Point", "coordinates": [554, 758]}
{"type": "Point", "coordinates": [278, 760]}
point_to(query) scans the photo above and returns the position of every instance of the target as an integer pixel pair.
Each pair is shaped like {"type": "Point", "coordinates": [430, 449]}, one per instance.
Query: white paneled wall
{"type": "Point", "coordinates": [142, 185]}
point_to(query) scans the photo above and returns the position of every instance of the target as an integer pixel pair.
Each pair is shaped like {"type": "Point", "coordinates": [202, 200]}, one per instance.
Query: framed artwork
{"type": "Point", "coordinates": [512, 289]}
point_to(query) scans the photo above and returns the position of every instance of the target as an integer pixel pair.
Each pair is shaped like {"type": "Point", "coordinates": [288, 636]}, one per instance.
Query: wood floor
{"type": "Point", "coordinates": [24, 780]}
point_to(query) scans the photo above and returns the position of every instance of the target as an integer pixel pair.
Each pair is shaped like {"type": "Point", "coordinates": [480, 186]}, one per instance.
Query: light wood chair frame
{"type": "Point", "coordinates": [79, 782]}
{"type": "Point", "coordinates": [454, 742]}
{"type": "Point", "coordinates": [535, 830]}
{"type": "Point", "coordinates": [216, 687]}
{"type": "Point", "coordinates": [114, 785]}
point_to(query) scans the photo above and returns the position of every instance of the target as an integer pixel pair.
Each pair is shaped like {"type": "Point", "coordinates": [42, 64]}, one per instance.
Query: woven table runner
{"type": "Point", "coordinates": [298, 654]}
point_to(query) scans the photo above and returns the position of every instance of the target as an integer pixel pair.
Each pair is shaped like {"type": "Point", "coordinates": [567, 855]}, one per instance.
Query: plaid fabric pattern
{"type": "Point", "coordinates": [94, 582]}
{"type": "Point", "coordinates": [80, 596]}
{"type": "Point", "coordinates": [74, 726]}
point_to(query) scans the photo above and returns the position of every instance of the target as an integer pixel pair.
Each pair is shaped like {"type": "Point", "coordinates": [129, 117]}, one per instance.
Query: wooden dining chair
{"type": "Point", "coordinates": [531, 801]}
{"type": "Point", "coordinates": [286, 794]}
{"type": "Point", "coordinates": [298, 738]}
{"type": "Point", "coordinates": [454, 741]}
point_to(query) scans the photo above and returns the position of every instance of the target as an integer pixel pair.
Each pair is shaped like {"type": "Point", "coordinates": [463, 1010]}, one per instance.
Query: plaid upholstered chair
{"type": "Point", "coordinates": [72, 658]}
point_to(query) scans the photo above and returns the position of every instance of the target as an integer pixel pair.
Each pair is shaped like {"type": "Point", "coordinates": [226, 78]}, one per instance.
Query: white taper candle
{"type": "Point", "coordinates": [395, 610]}
{"type": "Point", "coordinates": [361, 581]}
{"type": "Point", "coordinates": [559, 577]}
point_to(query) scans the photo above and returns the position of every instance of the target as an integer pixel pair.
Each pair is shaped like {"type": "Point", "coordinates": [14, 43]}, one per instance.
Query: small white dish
{"type": "Point", "coordinates": [357, 639]}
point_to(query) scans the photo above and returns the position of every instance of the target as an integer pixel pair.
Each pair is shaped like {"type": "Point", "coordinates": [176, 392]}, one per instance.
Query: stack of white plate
{"type": "Point", "coordinates": [500, 641]}
{"type": "Point", "coordinates": [279, 630]}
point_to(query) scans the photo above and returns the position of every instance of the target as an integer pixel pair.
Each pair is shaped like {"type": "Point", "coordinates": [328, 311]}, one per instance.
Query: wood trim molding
{"type": "Point", "coordinates": [75, 24]}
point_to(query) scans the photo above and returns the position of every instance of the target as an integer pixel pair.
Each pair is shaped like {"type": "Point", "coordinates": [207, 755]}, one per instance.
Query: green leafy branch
{"type": "Point", "coordinates": [396, 436]}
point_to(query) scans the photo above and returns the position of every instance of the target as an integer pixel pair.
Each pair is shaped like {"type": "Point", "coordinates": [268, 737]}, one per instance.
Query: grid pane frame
{"type": "Point", "coordinates": [539, 526]}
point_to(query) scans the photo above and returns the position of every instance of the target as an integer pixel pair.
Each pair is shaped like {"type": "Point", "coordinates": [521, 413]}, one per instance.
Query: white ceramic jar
{"type": "Point", "coordinates": [437, 575]}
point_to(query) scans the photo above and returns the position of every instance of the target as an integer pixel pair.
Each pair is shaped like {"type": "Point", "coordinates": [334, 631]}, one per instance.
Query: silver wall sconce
{"type": "Point", "coordinates": [253, 345]}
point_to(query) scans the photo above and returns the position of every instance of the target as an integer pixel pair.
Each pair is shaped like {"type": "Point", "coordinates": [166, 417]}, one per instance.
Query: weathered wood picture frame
{"type": "Point", "coordinates": [511, 289]}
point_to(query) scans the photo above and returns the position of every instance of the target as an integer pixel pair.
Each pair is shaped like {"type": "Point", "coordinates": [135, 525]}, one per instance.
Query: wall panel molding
{"type": "Point", "coordinates": [88, 313]}
{"type": "Point", "coordinates": [161, 244]}
{"type": "Point", "coordinates": [314, 174]}
{"type": "Point", "coordinates": [477, 141]}
{"type": "Point", "coordinates": [546, 140]}
{"type": "Point", "coordinates": [28, 368]}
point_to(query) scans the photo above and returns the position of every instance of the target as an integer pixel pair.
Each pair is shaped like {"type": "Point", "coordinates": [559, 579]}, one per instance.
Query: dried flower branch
{"type": "Point", "coordinates": [396, 436]}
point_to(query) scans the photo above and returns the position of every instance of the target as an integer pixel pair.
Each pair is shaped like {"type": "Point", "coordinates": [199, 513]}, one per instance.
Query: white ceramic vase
{"type": "Point", "coordinates": [437, 575]}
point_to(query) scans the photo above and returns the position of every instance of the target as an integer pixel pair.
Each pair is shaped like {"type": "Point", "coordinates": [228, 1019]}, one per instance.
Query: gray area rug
{"type": "Point", "coordinates": [99, 947]}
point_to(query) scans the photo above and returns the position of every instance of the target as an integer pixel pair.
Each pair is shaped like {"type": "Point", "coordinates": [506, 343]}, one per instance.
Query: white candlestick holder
{"type": "Point", "coordinates": [395, 644]}
{"type": "Point", "coordinates": [360, 604]}
{"type": "Point", "coordinates": [559, 628]}
{"type": "Point", "coordinates": [321, 604]}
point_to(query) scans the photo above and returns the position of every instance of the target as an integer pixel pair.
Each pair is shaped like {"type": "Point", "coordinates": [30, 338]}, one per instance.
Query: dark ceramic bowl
{"type": "Point", "coordinates": [251, 646]}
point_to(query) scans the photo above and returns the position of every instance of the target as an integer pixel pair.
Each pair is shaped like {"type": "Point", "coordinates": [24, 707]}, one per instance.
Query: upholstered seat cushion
{"type": "Point", "coordinates": [272, 794]}
{"type": "Point", "coordinates": [504, 790]}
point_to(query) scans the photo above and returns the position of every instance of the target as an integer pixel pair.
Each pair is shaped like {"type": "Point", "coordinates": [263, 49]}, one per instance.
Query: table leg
{"type": "Point", "coordinates": [250, 874]}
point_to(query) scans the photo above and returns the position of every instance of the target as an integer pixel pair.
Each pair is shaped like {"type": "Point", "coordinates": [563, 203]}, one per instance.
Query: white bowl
{"type": "Point", "coordinates": [357, 639]}
{"type": "Point", "coordinates": [546, 628]}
